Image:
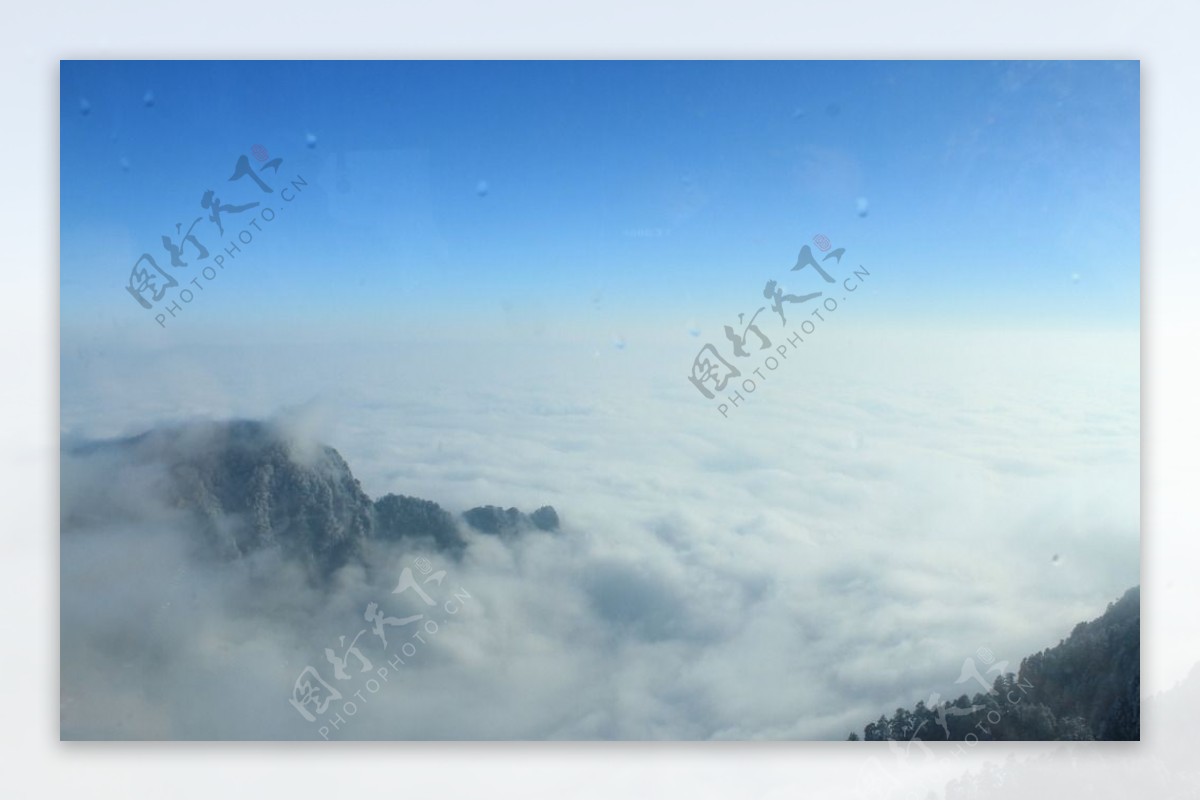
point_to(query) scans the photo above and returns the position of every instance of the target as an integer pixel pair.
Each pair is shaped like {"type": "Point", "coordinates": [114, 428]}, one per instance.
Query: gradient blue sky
{"type": "Point", "coordinates": [998, 193]}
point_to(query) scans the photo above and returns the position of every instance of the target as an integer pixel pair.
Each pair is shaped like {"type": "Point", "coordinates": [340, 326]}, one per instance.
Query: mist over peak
{"type": "Point", "coordinates": [250, 485]}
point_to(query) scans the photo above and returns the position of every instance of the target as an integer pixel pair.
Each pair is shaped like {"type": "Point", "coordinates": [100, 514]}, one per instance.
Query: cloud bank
{"type": "Point", "coordinates": [881, 507]}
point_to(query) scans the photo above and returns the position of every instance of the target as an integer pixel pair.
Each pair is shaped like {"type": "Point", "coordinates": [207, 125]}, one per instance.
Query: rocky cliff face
{"type": "Point", "coordinates": [249, 487]}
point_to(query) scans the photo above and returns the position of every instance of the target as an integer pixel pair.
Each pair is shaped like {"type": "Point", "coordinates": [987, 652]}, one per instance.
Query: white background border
{"type": "Point", "coordinates": [34, 37]}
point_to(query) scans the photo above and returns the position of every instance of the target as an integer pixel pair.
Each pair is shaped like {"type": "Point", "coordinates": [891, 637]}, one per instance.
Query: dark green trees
{"type": "Point", "coordinates": [1085, 688]}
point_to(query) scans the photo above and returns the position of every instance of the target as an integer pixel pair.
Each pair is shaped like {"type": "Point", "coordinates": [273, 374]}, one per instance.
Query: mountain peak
{"type": "Point", "coordinates": [251, 485]}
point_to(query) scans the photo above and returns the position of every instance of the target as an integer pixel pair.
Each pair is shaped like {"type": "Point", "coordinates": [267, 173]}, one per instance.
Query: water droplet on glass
{"type": "Point", "coordinates": [148, 99]}
{"type": "Point", "coordinates": [861, 206]}
{"type": "Point", "coordinates": [310, 139]}
{"type": "Point", "coordinates": [85, 108]}
{"type": "Point", "coordinates": [1054, 560]}
{"type": "Point", "coordinates": [482, 189]}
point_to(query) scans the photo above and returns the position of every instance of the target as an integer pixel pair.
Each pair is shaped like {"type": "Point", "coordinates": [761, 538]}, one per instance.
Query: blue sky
{"type": "Point", "coordinates": [1000, 194]}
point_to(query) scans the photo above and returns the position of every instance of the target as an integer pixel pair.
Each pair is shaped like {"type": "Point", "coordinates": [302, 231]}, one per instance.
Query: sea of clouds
{"type": "Point", "coordinates": [884, 505]}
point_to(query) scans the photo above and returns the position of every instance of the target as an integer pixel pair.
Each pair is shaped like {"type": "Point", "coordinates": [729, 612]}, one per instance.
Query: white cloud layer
{"type": "Point", "coordinates": [884, 504]}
